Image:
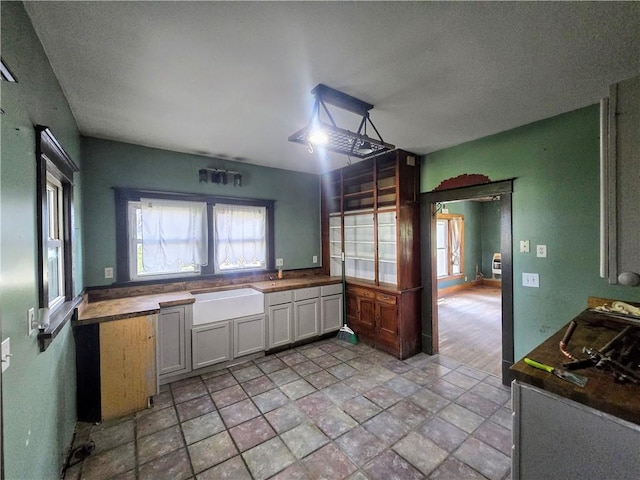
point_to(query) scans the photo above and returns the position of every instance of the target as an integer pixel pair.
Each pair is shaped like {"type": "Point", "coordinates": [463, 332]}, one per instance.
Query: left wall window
{"type": "Point", "coordinates": [55, 171]}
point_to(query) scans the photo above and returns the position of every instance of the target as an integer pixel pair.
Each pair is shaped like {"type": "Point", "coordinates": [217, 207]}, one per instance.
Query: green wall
{"type": "Point", "coordinates": [472, 240]}
{"type": "Point", "coordinates": [490, 234]}
{"type": "Point", "coordinates": [38, 388]}
{"type": "Point", "coordinates": [555, 163]}
{"type": "Point", "coordinates": [108, 164]}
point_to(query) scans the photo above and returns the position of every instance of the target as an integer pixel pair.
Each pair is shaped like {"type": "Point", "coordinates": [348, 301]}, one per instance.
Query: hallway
{"type": "Point", "coordinates": [470, 328]}
{"type": "Point", "coordinates": [324, 410]}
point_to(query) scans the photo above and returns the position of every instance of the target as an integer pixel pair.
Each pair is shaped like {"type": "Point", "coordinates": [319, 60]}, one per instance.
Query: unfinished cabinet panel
{"type": "Point", "coordinates": [116, 367]}
{"type": "Point", "coordinates": [248, 336]}
{"type": "Point", "coordinates": [211, 344]}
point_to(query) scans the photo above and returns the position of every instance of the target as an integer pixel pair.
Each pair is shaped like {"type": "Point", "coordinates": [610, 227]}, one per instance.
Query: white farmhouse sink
{"type": "Point", "coordinates": [227, 304]}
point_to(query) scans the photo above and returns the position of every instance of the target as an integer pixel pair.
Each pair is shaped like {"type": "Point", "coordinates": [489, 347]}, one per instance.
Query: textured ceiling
{"type": "Point", "coordinates": [233, 79]}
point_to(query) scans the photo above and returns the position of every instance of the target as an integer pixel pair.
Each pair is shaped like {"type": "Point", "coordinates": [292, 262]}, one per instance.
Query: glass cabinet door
{"type": "Point", "coordinates": [359, 246]}
{"type": "Point", "coordinates": [387, 250]}
{"type": "Point", "coordinates": [335, 245]}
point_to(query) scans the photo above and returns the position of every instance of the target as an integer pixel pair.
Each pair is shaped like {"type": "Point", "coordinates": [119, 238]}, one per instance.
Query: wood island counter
{"type": "Point", "coordinates": [601, 391]}
{"type": "Point", "coordinates": [562, 430]}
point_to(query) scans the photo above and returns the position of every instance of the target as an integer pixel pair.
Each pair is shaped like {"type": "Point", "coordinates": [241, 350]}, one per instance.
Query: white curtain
{"type": "Point", "coordinates": [456, 241]}
{"type": "Point", "coordinates": [174, 235]}
{"type": "Point", "coordinates": [240, 237]}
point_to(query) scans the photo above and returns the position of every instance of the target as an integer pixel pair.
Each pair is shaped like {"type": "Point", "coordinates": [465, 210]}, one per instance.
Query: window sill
{"type": "Point", "coordinates": [57, 321]}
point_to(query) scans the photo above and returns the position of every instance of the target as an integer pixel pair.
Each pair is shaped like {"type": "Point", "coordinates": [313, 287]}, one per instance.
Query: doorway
{"type": "Point", "coordinates": [469, 275]}
{"type": "Point", "coordinates": [431, 204]}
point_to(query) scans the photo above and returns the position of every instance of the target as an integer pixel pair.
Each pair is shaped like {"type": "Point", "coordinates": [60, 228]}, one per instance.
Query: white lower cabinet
{"type": "Point", "coordinates": [174, 347]}
{"type": "Point", "coordinates": [226, 340]}
{"type": "Point", "coordinates": [306, 313]}
{"type": "Point", "coordinates": [279, 308]}
{"type": "Point", "coordinates": [211, 343]}
{"type": "Point", "coordinates": [248, 336]}
{"type": "Point", "coordinates": [331, 313]}
{"type": "Point", "coordinates": [302, 314]}
{"type": "Point", "coordinates": [280, 325]}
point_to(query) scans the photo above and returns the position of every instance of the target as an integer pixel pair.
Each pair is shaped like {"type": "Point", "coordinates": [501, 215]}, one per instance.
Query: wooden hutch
{"type": "Point", "coordinates": [371, 212]}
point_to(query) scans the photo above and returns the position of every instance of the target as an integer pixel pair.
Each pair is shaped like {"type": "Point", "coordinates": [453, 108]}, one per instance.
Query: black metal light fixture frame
{"type": "Point", "coordinates": [339, 140]}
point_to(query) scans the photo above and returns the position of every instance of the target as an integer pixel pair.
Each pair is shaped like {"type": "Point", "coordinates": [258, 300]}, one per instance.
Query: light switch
{"type": "Point", "coordinates": [524, 246]}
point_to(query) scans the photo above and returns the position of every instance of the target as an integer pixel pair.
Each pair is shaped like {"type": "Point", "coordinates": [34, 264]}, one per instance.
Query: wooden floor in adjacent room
{"type": "Point", "coordinates": [470, 327]}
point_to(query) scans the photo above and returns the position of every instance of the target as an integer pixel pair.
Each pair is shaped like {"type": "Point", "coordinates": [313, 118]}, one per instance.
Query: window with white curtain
{"type": "Point", "coordinates": [240, 237]}
{"type": "Point", "coordinates": [169, 235]}
{"type": "Point", "coordinates": [450, 245]}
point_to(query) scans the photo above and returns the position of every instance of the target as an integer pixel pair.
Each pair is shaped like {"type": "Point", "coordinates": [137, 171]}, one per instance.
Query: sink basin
{"type": "Point", "coordinates": [227, 304]}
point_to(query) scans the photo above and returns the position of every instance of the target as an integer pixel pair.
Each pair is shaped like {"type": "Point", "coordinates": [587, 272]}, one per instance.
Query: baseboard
{"type": "Point", "coordinates": [443, 292]}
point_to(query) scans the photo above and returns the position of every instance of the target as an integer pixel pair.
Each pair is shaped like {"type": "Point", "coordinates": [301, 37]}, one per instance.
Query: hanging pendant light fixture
{"type": "Point", "coordinates": [322, 134]}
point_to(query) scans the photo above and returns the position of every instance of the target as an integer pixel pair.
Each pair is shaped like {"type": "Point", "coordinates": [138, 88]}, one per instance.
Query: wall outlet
{"type": "Point", "coordinates": [315, 259]}
{"type": "Point", "coordinates": [108, 272]}
{"type": "Point", "coordinates": [531, 280]}
{"type": "Point", "coordinates": [5, 354]}
{"type": "Point", "coordinates": [524, 246]}
{"type": "Point", "coordinates": [31, 317]}
{"type": "Point", "coordinates": [541, 251]}
{"type": "Point", "coordinates": [279, 262]}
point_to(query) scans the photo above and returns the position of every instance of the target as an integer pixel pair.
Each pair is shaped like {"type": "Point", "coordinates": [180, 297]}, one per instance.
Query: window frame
{"type": "Point", "coordinates": [55, 235]}
{"type": "Point", "coordinates": [125, 195]}
{"type": "Point", "coordinates": [448, 217]}
{"type": "Point", "coordinates": [53, 162]}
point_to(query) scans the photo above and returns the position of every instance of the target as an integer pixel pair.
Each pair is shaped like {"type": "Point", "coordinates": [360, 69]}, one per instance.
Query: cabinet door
{"type": "Point", "coordinates": [331, 313]}
{"type": "Point", "coordinates": [127, 365]}
{"type": "Point", "coordinates": [621, 173]}
{"type": "Point", "coordinates": [172, 341]}
{"type": "Point", "coordinates": [307, 318]}
{"type": "Point", "coordinates": [386, 321]}
{"type": "Point", "coordinates": [280, 325]}
{"type": "Point", "coordinates": [364, 324]}
{"type": "Point", "coordinates": [211, 344]}
{"type": "Point", "coordinates": [248, 336]}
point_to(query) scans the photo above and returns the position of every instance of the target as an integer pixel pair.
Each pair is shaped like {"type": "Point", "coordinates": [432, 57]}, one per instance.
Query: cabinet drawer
{"type": "Point", "coordinates": [277, 298]}
{"type": "Point", "coordinates": [331, 289]}
{"type": "Point", "coordinates": [362, 292]}
{"type": "Point", "coordinates": [386, 298]}
{"type": "Point", "coordinates": [306, 293]}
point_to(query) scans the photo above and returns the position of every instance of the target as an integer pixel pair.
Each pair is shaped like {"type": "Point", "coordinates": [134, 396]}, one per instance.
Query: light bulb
{"type": "Point", "coordinates": [318, 137]}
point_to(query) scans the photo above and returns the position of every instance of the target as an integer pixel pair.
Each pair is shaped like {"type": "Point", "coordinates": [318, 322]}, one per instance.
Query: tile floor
{"type": "Point", "coordinates": [325, 410]}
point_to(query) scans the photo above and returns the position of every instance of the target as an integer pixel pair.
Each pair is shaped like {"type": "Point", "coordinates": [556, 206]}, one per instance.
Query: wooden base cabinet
{"type": "Point", "coordinates": [116, 367]}
{"type": "Point", "coordinates": [387, 320]}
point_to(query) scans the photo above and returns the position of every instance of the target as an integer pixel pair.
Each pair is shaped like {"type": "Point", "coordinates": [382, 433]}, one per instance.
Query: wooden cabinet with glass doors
{"type": "Point", "coordinates": [371, 212]}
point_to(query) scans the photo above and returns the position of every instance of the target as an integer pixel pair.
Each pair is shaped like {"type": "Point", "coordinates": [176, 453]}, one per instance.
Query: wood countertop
{"type": "Point", "coordinates": [601, 392]}
{"type": "Point", "coordinates": [128, 307]}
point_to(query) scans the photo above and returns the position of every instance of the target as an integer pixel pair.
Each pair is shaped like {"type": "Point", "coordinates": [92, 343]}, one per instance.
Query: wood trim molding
{"type": "Point", "coordinates": [464, 180]}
